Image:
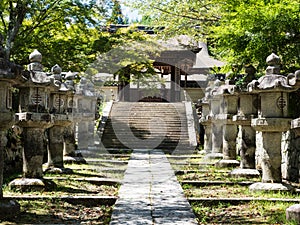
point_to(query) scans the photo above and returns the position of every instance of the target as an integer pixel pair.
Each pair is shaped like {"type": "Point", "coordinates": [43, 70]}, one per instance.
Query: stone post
{"type": "Point", "coordinates": [85, 115]}
{"type": "Point", "coordinates": [246, 142]}
{"type": "Point", "coordinates": [33, 153]}
{"type": "Point", "coordinates": [34, 118]}
{"type": "Point", "coordinates": [69, 141]}
{"type": "Point", "coordinates": [228, 108]}
{"type": "Point", "coordinates": [291, 147]}
{"type": "Point", "coordinates": [69, 155]}
{"type": "Point", "coordinates": [59, 106]}
{"type": "Point", "coordinates": [206, 122]}
{"type": "Point", "coordinates": [272, 90]}
{"type": "Point", "coordinates": [215, 123]}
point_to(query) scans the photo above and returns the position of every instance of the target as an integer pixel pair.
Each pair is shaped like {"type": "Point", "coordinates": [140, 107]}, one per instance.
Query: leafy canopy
{"type": "Point", "coordinates": [63, 30]}
{"type": "Point", "coordinates": [240, 32]}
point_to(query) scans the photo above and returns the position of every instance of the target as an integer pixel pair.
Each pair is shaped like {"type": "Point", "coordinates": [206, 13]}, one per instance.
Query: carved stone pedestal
{"type": "Point", "coordinates": [229, 146]}
{"type": "Point", "coordinates": [34, 126]}
{"type": "Point", "coordinates": [207, 136]}
{"type": "Point", "coordinates": [246, 149]}
{"type": "Point", "coordinates": [216, 141]}
{"type": "Point", "coordinates": [271, 129]}
{"type": "Point", "coordinates": [55, 149]}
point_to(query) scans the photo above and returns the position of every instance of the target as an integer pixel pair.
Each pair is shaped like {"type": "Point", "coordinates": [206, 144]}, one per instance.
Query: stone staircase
{"type": "Point", "coordinates": [147, 125]}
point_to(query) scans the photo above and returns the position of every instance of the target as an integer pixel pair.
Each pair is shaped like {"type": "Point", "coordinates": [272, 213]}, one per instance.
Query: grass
{"type": "Point", "coordinates": [247, 213]}
{"type": "Point", "coordinates": [208, 212]}
{"type": "Point", "coordinates": [57, 211]}
{"type": "Point", "coordinates": [235, 191]}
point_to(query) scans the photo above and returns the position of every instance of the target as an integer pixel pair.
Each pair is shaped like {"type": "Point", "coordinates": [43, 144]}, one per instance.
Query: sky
{"type": "Point", "coordinates": [132, 14]}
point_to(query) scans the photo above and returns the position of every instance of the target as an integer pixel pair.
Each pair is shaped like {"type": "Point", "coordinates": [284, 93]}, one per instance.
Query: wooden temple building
{"type": "Point", "coordinates": [184, 65]}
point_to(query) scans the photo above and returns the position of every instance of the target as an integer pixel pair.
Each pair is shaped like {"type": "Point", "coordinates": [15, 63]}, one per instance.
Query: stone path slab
{"type": "Point", "coordinates": [150, 193]}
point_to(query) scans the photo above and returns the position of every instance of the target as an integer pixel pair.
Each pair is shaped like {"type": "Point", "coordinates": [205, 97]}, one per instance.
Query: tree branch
{"type": "Point", "coordinates": [3, 22]}
{"type": "Point", "coordinates": [41, 17]}
{"type": "Point", "coordinates": [184, 16]}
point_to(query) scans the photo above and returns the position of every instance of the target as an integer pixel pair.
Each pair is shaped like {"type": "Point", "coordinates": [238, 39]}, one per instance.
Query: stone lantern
{"type": "Point", "coordinates": [216, 124]}
{"type": "Point", "coordinates": [205, 120]}
{"type": "Point", "coordinates": [34, 117]}
{"type": "Point", "coordinates": [273, 119]}
{"type": "Point", "coordinates": [247, 110]}
{"type": "Point", "coordinates": [9, 74]}
{"type": "Point", "coordinates": [69, 131]}
{"type": "Point", "coordinates": [228, 108]}
{"type": "Point", "coordinates": [291, 155]}
{"type": "Point", "coordinates": [85, 114]}
{"type": "Point", "coordinates": [59, 108]}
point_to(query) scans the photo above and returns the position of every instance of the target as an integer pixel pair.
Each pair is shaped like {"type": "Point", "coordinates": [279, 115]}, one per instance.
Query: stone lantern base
{"type": "Point", "coordinates": [56, 170]}
{"type": "Point", "coordinates": [31, 184]}
{"type": "Point", "coordinates": [249, 173]}
{"type": "Point", "coordinates": [74, 159]}
{"type": "Point", "coordinates": [227, 163]}
{"type": "Point", "coordinates": [213, 156]}
{"type": "Point", "coordinates": [260, 186]}
{"type": "Point", "coordinates": [8, 209]}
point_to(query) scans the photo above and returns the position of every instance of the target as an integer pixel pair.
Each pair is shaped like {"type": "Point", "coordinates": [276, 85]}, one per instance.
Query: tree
{"type": "Point", "coordinates": [240, 32]}
{"type": "Point", "coordinates": [249, 31]}
{"type": "Point", "coordinates": [52, 25]}
{"type": "Point", "coordinates": [191, 17]}
{"type": "Point", "coordinates": [116, 14]}
{"type": "Point", "coordinates": [127, 52]}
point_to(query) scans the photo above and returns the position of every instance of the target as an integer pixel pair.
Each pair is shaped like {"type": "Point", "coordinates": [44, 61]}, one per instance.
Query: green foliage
{"type": "Point", "coordinates": [249, 31]}
{"type": "Point", "coordinates": [63, 31]}
{"type": "Point", "coordinates": [130, 56]}
{"type": "Point", "coordinates": [185, 17]}
{"type": "Point", "coordinates": [116, 14]}
{"type": "Point", "coordinates": [239, 32]}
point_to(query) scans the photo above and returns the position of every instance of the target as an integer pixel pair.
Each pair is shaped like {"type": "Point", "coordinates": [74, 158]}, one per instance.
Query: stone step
{"type": "Point", "coordinates": [146, 134]}
{"type": "Point", "coordinates": [136, 118]}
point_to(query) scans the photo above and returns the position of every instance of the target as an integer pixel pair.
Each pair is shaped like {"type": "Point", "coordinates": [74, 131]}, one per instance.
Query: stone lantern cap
{"type": "Point", "coordinates": [35, 56]}
{"type": "Point", "coordinates": [226, 89]}
{"type": "Point", "coordinates": [272, 81]}
{"type": "Point", "coordinates": [294, 79]}
{"type": "Point", "coordinates": [35, 72]}
{"type": "Point", "coordinates": [85, 88]}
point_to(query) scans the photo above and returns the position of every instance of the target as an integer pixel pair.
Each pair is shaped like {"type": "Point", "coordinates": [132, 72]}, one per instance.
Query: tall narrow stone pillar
{"type": "Point", "coordinates": [56, 144]}
{"type": "Point", "coordinates": [229, 141]}
{"type": "Point", "coordinates": [3, 141]}
{"type": "Point", "coordinates": [69, 140]}
{"type": "Point", "coordinates": [246, 142]}
{"type": "Point", "coordinates": [60, 105]}
{"type": "Point", "coordinates": [216, 127]}
{"type": "Point", "coordinates": [206, 122]}
{"type": "Point", "coordinates": [207, 137]}
{"type": "Point", "coordinates": [247, 147]}
{"type": "Point", "coordinates": [228, 108]}
{"type": "Point", "coordinates": [33, 153]}
{"type": "Point", "coordinates": [271, 161]}
{"type": "Point", "coordinates": [217, 141]}
{"type": "Point", "coordinates": [83, 135]}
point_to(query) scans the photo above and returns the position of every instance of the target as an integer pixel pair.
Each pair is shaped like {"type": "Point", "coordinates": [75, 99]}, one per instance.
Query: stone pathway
{"type": "Point", "coordinates": [150, 193]}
